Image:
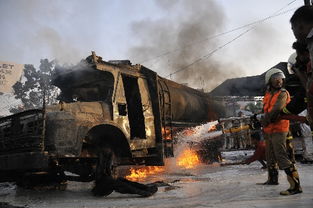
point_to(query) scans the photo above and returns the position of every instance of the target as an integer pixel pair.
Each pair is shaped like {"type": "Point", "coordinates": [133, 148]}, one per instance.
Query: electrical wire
{"type": "Point", "coordinates": [234, 39]}
{"type": "Point", "coordinates": [209, 54]}
{"type": "Point", "coordinates": [276, 13]}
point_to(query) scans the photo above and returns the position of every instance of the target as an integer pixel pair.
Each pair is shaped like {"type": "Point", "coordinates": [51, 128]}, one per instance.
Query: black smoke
{"type": "Point", "coordinates": [181, 40]}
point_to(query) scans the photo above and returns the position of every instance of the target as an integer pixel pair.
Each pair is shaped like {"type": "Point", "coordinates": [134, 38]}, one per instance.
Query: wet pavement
{"type": "Point", "coordinates": [206, 186]}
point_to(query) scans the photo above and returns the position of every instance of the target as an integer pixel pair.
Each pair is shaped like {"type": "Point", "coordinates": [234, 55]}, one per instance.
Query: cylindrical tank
{"type": "Point", "coordinates": [189, 105]}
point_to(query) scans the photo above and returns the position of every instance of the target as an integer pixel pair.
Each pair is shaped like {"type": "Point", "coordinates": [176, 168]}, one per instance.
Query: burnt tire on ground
{"type": "Point", "coordinates": [105, 172]}
{"type": "Point", "coordinates": [106, 164]}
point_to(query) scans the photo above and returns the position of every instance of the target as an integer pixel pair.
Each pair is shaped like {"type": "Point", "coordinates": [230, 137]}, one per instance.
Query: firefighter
{"type": "Point", "coordinates": [302, 23]}
{"type": "Point", "coordinates": [302, 26]}
{"type": "Point", "coordinates": [276, 130]}
{"type": "Point", "coordinates": [226, 127]}
{"type": "Point", "coordinates": [297, 64]}
{"type": "Point", "coordinates": [236, 134]}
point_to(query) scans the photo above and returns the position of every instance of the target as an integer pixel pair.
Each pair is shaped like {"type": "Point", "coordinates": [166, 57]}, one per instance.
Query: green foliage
{"type": "Point", "coordinates": [34, 86]}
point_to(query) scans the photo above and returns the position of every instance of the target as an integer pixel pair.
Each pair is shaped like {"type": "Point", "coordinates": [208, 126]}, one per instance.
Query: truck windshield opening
{"type": "Point", "coordinates": [78, 86]}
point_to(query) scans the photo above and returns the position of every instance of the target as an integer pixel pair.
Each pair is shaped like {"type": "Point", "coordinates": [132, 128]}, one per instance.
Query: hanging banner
{"type": "Point", "coordinates": [10, 73]}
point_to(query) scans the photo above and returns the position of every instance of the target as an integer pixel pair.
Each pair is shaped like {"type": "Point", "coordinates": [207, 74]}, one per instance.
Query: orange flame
{"type": "Point", "coordinates": [138, 174]}
{"type": "Point", "coordinates": [166, 134]}
{"type": "Point", "coordinates": [188, 132]}
{"type": "Point", "coordinates": [188, 159]}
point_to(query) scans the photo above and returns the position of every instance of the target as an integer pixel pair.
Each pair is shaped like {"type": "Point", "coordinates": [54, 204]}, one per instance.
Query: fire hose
{"type": "Point", "coordinates": [237, 129]}
{"type": "Point", "coordinates": [291, 117]}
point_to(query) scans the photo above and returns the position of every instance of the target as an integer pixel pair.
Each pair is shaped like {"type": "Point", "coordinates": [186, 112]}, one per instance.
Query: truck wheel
{"type": "Point", "coordinates": [106, 164]}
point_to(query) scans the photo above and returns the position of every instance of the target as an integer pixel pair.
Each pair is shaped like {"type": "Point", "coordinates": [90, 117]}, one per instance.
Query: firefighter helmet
{"type": "Point", "coordinates": [291, 62]}
{"type": "Point", "coordinates": [271, 72]}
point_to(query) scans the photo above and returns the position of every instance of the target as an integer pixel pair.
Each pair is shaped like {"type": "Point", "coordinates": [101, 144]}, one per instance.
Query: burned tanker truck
{"type": "Point", "coordinates": [109, 114]}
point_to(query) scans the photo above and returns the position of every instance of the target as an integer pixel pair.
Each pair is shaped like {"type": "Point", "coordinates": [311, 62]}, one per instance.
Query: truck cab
{"type": "Point", "coordinates": [103, 106]}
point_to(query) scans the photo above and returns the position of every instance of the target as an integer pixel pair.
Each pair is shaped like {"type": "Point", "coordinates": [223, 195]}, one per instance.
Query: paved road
{"type": "Point", "coordinates": [207, 186]}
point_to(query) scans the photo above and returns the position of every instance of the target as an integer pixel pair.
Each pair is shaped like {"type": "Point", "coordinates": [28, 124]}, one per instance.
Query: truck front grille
{"type": "Point", "coordinates": [22, 132]}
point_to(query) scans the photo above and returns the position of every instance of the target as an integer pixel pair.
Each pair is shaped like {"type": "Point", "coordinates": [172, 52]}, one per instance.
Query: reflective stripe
{"type": "Point", "coordinates": [305, 99]}
{"type": "Point", "coordinates": [286, 111]}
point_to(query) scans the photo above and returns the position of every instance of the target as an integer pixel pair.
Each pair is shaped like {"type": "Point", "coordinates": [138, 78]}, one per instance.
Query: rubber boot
{"type": "Point", "coordinates": [294, 181]}
{"type": "Point", "coordinates": [272, 177]}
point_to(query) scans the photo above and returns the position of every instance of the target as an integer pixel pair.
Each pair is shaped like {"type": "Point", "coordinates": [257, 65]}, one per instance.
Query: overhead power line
{"type": "Point", "coordinates": [209, 54]}
{"type": "Point", "coordinates": [275, 14]}
{"type": "Point", "coordinates": [254, 24]}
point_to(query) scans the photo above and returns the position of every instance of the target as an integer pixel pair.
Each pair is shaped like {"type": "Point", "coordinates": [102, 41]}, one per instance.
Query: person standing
{"type": "Point", "coordinates": [276, 130]}
{"type": "Point", "coordinates": [302, 27]}
{"type": "Point", "coordinates": [297, 68]}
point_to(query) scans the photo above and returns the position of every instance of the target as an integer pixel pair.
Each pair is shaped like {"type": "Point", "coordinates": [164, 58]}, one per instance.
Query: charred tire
{"type": "Point", "coordinates": [106, 164]}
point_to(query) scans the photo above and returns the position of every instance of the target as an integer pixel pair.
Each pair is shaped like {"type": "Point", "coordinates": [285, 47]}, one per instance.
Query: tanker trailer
{"type": "Point", "coordinates": [190, 107]}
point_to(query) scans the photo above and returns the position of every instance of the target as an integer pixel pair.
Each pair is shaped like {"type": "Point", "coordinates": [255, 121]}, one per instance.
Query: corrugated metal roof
{"type": "Point", "coordinates": [247, 86]}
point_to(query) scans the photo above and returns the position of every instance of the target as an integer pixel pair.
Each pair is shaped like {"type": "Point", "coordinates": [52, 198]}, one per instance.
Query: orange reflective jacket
{"type": "Point", "coordinates": [269, 102]}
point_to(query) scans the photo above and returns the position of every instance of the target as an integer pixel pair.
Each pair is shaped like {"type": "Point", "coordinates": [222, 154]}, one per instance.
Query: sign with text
{"type": "Point", "coordinates": [10, 73]}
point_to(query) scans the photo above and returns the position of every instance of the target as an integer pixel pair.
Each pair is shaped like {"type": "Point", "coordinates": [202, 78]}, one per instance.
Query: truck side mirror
{"type": "Point", "coordinates": [122, 109]}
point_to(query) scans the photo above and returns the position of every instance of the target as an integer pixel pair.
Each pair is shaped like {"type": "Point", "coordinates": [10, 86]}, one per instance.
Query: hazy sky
{"type": "Point", "coordinates": [142, 30]}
